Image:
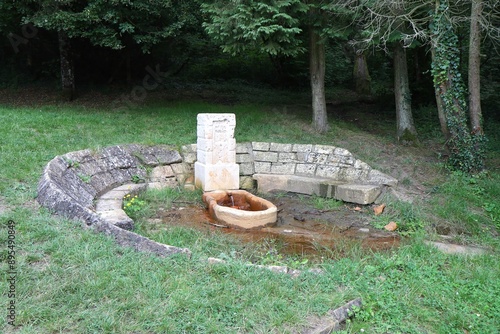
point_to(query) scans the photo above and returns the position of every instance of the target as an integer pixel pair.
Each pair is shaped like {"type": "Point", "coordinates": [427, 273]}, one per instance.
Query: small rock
{"type": "Point", "coordinates": [392, 226]}
{"type": "Point", "coordinates": [379, 209]}
{"type": "Point", "coordinates": [364, 230]}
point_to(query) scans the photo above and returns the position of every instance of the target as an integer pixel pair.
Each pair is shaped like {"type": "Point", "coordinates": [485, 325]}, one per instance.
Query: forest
{"type": "Point", "coordinates": [410, 88]}
{"type": "Point", "coordinates": [441, 53]}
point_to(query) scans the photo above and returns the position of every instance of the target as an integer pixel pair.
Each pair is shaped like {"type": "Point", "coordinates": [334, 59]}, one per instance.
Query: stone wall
{"type": "Point", "coordinates": [308, 160]}
{"type": "Point", "coordinates": [90, 185]}
{"type": "Point", "coordinates": [70, 183]}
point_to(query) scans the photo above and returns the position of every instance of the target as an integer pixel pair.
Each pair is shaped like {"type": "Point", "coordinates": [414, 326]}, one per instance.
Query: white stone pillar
{"type": "Point", "coordinates": [216, 167]}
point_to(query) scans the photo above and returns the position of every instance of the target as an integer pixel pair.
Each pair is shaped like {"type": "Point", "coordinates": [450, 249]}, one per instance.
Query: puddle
{"type": "Point", "coordinates": [300, 229]}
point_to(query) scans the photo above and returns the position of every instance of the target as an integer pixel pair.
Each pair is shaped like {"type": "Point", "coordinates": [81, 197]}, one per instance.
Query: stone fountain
{"type": "Point", "coordinates": [217, 174]}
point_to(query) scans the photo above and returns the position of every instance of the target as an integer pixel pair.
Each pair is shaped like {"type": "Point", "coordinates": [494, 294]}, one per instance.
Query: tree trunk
{"type": "Point", "coordinates": [467, 152]}
{"type": "Point", "coordinates": [317, 73]}
{"type": "Point", "coordinates": [475, 113]}
{"type": "Point", "coordinates": [440, 104]}
{"type": "Point", "coordinates": [406, 132]}
{"type": "Point", "coordinates": [67, 71]}
{"type": "Point", "coordinates": [361, 74]}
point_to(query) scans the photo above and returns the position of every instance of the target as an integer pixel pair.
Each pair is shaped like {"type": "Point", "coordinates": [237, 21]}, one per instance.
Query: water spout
{"type": "Point", "coordinates": [230, 194]}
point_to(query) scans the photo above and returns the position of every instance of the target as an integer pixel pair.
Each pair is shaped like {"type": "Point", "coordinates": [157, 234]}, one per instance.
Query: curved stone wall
{"type": "Point", "coordinates": [90, 185]}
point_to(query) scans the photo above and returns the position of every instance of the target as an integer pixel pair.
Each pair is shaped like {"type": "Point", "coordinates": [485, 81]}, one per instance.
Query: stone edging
{"type": "Point", "coordinates": [90, 185]}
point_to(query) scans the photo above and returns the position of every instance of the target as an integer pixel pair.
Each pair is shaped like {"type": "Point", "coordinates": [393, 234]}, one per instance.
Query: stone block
{"type": "Point", "coordinates": [247, 182]}
{"type": "Point", "coordinates": [118, 218]}
{"type": "Point", "coordinates": [161, 173]}
{"type": "Point", "coordinates": [91, 168]}
{"type": "Point", "coordinates": [302, 148]}
{"type": "Point", "coordinates": [377, 177]}
{"type": "Point", "coordinates": [79, 156]}
{"type": "Point", "coordinates": [271, 182]}
{"type": "Point", "coordinates": [361, 165]}
{"type": "Point", "coordinates": [215, 177]}
{"type": "Point", "coordinates": [168, 183]}
{"type": "Point", "coordinates": [182, 168]}
{"type": "Point", "coordinates": [304, 185]}
{"type": "Point", "coordinates": [327, 171]}
{"type": "Point", "coordinates": [282, 168]}
{"type": "Point", "coordinates": [342, 151]}
{"type": "Point", "coordinates": [260, 146]}
{"type": "Point", "coordinates": [265, 156]}
{"type": "Point", "coordinates": [262, 167]}
{"type": "Point", "coordinates": [287, 157]}
{"type": "Point", "coordinates": [167, 156]}
{"type": "Point", "coordinates": [77, 187]}
{"type": "Point", "coordinates": [108, 205]}
{"type": "Point", "coordinates": [243, 148]}
{"type": "Point", "coordinates": [243, 157]}
{"type": "Point", "coordinates": [306, 169]}
{"type": "Point", "coordinates": [102, 182]}
{"type": "Point", "coordinates": [277, 147]}
{"type": "Point", "coordinates": [317, 158]}
{"type": "Point", "coordinates": [323, 149]}
{"type": "Point", "coordinates": [351, 174]}
{"type": "Point", "coordinates": [247, 169]}
{"type": "Point", "coordinates": [138, 242]}
{"type": "Point", "coordinates": [357, 193]}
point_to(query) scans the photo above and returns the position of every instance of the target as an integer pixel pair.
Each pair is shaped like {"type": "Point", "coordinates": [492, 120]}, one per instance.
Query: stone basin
{"type": "Point", "coordinates": [240, 209]}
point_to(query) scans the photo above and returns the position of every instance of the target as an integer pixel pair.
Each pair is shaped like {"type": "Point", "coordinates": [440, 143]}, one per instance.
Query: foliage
{"type": "Point", "coordinates": [467, 151]}
{"type": "Point", "coordinates": [132, 205]}
{"type": "Point", "coordinates": [109, 24]}
{"type": "Point", "coordinates": [273, 27]}
{"type": "Point", "coordinates": [83, 282]}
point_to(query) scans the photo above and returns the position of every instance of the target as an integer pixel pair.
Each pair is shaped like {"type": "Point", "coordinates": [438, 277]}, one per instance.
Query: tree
{"type": "Point", "coordinates": [434, 22]}
{"type": "Point", "coordinates": [275, 28]}
{"type": "Point", "coordinates": [116, 25]}
{"type": "Point", "coordinates": [406, 132]}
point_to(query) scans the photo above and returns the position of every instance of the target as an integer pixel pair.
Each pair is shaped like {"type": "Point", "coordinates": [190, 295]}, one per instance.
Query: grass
{"type": "Point", "coordinates": [72, 280]}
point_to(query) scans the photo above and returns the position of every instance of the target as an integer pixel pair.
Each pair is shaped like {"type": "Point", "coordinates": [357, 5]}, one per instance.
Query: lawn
{"type": "Point", "coordinates": [71, 280]}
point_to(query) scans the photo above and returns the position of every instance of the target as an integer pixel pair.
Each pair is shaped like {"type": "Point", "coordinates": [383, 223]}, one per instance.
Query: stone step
{"type": "Point", "coordinates": [324, 187]}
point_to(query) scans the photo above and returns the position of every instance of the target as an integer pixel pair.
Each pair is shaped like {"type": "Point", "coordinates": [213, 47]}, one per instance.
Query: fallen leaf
{"type": "Point", "coordinates": [391, 226]}
{"type": "Point", "coordinates": [357, 208]}
{"type": "Point", "coordinates": [379, 209]}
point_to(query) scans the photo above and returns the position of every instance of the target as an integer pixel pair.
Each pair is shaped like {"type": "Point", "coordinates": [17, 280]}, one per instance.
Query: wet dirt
{"type": "Point", "coordinates": [300, 228]}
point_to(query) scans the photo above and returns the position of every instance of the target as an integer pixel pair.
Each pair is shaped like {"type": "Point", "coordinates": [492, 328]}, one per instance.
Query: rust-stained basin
{"type": "Point", "coordinates": [240, 209]}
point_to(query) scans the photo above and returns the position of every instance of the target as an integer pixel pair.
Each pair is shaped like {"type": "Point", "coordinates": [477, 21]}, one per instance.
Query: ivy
{"type": "Point", "coordinates": [467, 150]}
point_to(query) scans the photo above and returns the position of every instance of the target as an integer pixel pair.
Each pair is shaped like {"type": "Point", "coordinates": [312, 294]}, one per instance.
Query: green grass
{"type": "Point", "coordinates": [71, 280]}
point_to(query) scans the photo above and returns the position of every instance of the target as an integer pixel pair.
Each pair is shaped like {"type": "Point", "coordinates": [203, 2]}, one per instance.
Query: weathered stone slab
{"type": "Point", "coordinates": [167, 156]}
{"type": "Point", "coordinates": [161, 173]}
{"type": "Point", "coordinates": [305, 169]}
{"type": "Point", "coordinates": [168, 183]}
{"type": "Point", "coordinates": [247, 169]}
{"type": "Point", "coordinates": [108, 205]}
{"type": "Point", "coordinates": [260, 146]}
{"type": "Point", "coordinates": [243, 148]}
{"type": "Point", "coordinates": [287, 157]}
{"type": "Point", "coordinates": [118, 218]}
{"type": "Point", "coordinates": [262, 167]}
{"type": "Point", "coordinates": [142, 244]}
{"type": "Point", "coordinates": [216, 177]}
{"type": "Point", "coordinates": [277, 147]}
{"type": "Point", "coordinates": [265, 156]}
{"type": "Point", "coordinates": [271, 182]}
{"type": "Point", "coordinates": [303, 148]}
{"type": "Point", "coordinates": [189, 153]}
{"type": "Point", "coordinates": [456, 249]}
{"type": "Point", "coordinates": [282, 168]}
{"type": "Point", "coordinates": [357, 193]}
{"type": "Point", "coordinates": [323, 149]}
{"type": "Point", "coordinates": [377, 177]}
